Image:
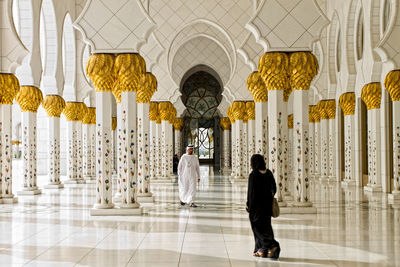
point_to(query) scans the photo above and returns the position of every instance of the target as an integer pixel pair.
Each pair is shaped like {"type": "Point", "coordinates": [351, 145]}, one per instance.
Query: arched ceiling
{"type": "Point", "coordinates": [201, 51]}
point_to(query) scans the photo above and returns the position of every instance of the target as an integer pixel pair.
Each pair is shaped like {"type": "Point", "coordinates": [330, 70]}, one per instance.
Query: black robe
{"type": "Point", "coordinates": [261, 189]}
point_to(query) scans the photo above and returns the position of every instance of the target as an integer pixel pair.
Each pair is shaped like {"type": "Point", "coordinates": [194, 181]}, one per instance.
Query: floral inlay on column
{"type": "Point", "coordinates": [303, 66]}
{"type": "Point", "coordinates": [89, 120]}
{"type": "Point", "coordinates": [54, 105]}
{"type": "Point", "coordinates": [99, 69]}
{"type": "Point", "coordinates": [347, 103]}
{"type": "Point", "coordinates": [371, 94]}
{"type": "Point", "coordinates": [29, 99]}
{"type": "Point", "coordinates": [9, 87]}
{"type": "Point", "coordinates": [257, 87]}
{"type": "Point", "coordinates": [74, 112]}
{"type": "Point", "coordinates": [392, 85]}
{"type": "Point", "coordinates": [148, 86]}
{"type": "Point", "coordinates": [154, 150]}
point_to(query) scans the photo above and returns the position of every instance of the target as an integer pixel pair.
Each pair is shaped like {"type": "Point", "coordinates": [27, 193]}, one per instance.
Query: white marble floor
{"type": "Point", "coordinates": [55, 229]}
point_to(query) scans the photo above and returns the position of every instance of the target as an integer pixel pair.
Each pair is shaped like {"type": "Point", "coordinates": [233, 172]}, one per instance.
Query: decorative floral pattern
{"type": "Point", "coordinates": [104, 184]}
{"type": "Point", "coordinates": [227, 149]}
{"type": "Point", "coordinates": [302, 183]}
{"type": "Point", "coordinates": [6, 155]}
{"type": "Point", "coordinates": [54, 157]}
{"type": "Point", "coordinates": [143, 154]}
{"type": "Point", "coordinates": [312, 148]}
{"type": "Point", "coordinates": [276, 156]}
{"type": "Point", "coordinates": [347, 150]}
{"type": "Point", "coordinates": [396, 158]}
{"type": "Point", "coordinates": [29, 151]}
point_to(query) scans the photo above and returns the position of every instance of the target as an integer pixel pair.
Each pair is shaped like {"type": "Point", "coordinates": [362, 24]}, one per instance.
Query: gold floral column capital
{"type": "Point", "coordinates": [9, 87]}
{"type": "Point", "coordinates": [178, 124]}
{"type": "Point", "coordinates": [311, 110]}
{"type": "Point", "coordinates": [392, 84]}
{"type": "Point", "coordinates": [113, 123]}
{"type": "Point", "coordinates": [251, 110]}
{"type": "Point", "coordinates": [290, 121]}
{"type": "Point", "coordinates": [286, 93]}
{"type": "Point", "coordinates": [54, 105]}
{"type": "Point", "coordinates": [172, 115]}
{"type": "Point", "coordinates": [148, 86]}
{"type": "Point", "coordinates": [239, 110]}
{"type": "Point", "coordinates": [29, 98]}
{"type": "Point", "coordinates": [273, 67]}
{"type": "Point", "coordinates": [347, 103]}
{"type": "Point", "coordinates": [371, 94]}
{"type": "Point", "coordinates": [331, 108]}
{"type": "Point", "coordinates": [75, 111]}
{"type": "Point", "coordinates": [230, 114]}
{"type": "Point", "coordinates": [128, 70]}
{"type": "Point", "coordinates": [99, 69]}
{"type": "Point", "coordinates": [257, 87]}
{"type": "Point", "coordinates": [303, 66]}
{"type": "Point", "coordinates": [322, 109]}
{"type": "Point", "coordinates": [225, 123]}
{"type": "Point", "coordinates": [153, 111]}
{"type": "Point", "coordinates": [165, 108]}
{"type": "Point", "coordinates": [90, 116]}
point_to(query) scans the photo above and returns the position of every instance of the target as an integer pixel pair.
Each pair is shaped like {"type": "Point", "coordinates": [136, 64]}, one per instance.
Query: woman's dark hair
{"type": "Point", "coordinates": [257, 162]}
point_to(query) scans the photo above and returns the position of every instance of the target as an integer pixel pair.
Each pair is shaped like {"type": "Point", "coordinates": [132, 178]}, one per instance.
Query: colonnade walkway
{"type": "Point", "coordinates": [55, 229]}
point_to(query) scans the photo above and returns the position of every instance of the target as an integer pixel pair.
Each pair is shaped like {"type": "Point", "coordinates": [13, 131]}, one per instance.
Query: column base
{"type": "Point", "coordinates": [29, 192]}
{"type": "Point", "coordinates": [324, 179]}
{"type": "Point", "coordinates": [72, 182]}
{"type": "Point", "coordinates": [117, 198]}
{"type": "Point", "coordinates": [282, 204]}
{"type": "Point", "coordinates": [145, 199]}
{"type": "Point", "coordinates": [302, 204]}
{"type": "Point", "coordinates": [238, 180]}
{"type": "Point", "coordinates": [350, 183]}
{"type": "Point", "coordinates": [373, 188]}
{"type": "Point", "coordinates": [394, 198]}
{"type": "Point", "coordinates": [164, 180]}
{"type": "Point", "coordinates": [288, 197]}
{"type": "Point", "coordinates": [89, 179]}
{"type": "Point", "coordinates": [298, 210]}
{"type": "Point", "coordinates": [54, 186]}
{"type": "Point", "coordinates": [116, 211]}
{"type": "Point", "coordinates": [9, 199]}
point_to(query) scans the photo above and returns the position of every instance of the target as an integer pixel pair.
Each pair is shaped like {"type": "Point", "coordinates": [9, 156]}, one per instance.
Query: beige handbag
{"type": "Point", "coordinates": [275, 208]}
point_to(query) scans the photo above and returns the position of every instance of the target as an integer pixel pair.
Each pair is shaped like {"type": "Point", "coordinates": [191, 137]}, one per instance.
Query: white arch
{"type": "Point", "coordinates": [69, 58]}
{"type": "Point", "coordinates": [49, 35]}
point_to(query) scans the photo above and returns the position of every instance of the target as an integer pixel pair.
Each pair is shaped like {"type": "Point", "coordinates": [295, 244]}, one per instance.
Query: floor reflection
{"type": "Point", "coordinates": [351, 228]}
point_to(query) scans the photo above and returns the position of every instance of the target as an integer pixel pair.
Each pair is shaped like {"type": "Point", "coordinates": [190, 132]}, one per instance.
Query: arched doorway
{"type": "Point", "coordinates": [201, 94]}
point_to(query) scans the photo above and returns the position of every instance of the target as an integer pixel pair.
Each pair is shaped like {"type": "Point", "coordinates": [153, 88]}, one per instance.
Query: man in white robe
{"type": "Point", "coordinates": [188, 173]}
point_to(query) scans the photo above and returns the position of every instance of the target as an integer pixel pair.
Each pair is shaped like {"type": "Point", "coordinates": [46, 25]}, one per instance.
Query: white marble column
{"type": "Point", "coordinates": [129, 178]}
{"type": "Point", "coordinates": [178, 143]}
{"type": "Point", "coordinates": [120, 152]}
{"type": "Point", "coordinates": [233, 147]}
{"type": "Point", "coordinates": [6, 193]}
{"type": "Point", "coordinates": [371, 95]}
{"type": "Point", "coordinates": [311, 140]}
{"type": "Point", "coordinates": [239, 114]}
{"type": "Point", "coordinates": [291, 154]}
{"type": "Point", "coordinates": [324, 137]}
{"type": "Point", "coordinates": [170, 147]}
{"type": "Point", "coordinates": [285, 147]}
{"type": "Point", "coordinates": [275, 119]}
{"type": "Point", "coordinates": [89, 122]}
{"type": "Point", "coordinates": [114, 146]}
{"type": "Point", "coordinates": [333, 177]}
{"type": "Point", "coordinates": [166, 111]}
{"type": "Point", "coordinates": [74, 132]}
{"type": "Point", "coordinates": [54, 154]}
{"type": "Point", "coordinates": [256, 85]}
{"type": "Point", "coordinates": [158, 158]}
{"type": "Point", "coordinates": [250, 108]}
{"type": "Point", "coordinates": [317, 144]}
{"type": "Point", "coordinates": [153, 148]}
{"type": "Point", "coordinates": [144, 193]}
{"type": "Point", "coordinates": [29, 98]}
{"type": "Point", "coordinates": [245, 149]}
{"type": "Point", "coordinates": [227, 147]}
{"type": "Point", "coordinates": [347, 102]}
{"type": "Point", "coordinates": [103, 154]}
{"type": "Point", "coordinates": [392, 82]}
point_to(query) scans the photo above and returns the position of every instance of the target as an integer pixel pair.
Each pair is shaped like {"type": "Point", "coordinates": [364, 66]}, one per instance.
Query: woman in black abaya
{"type": "Point", "coordinates": [261, 190]}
